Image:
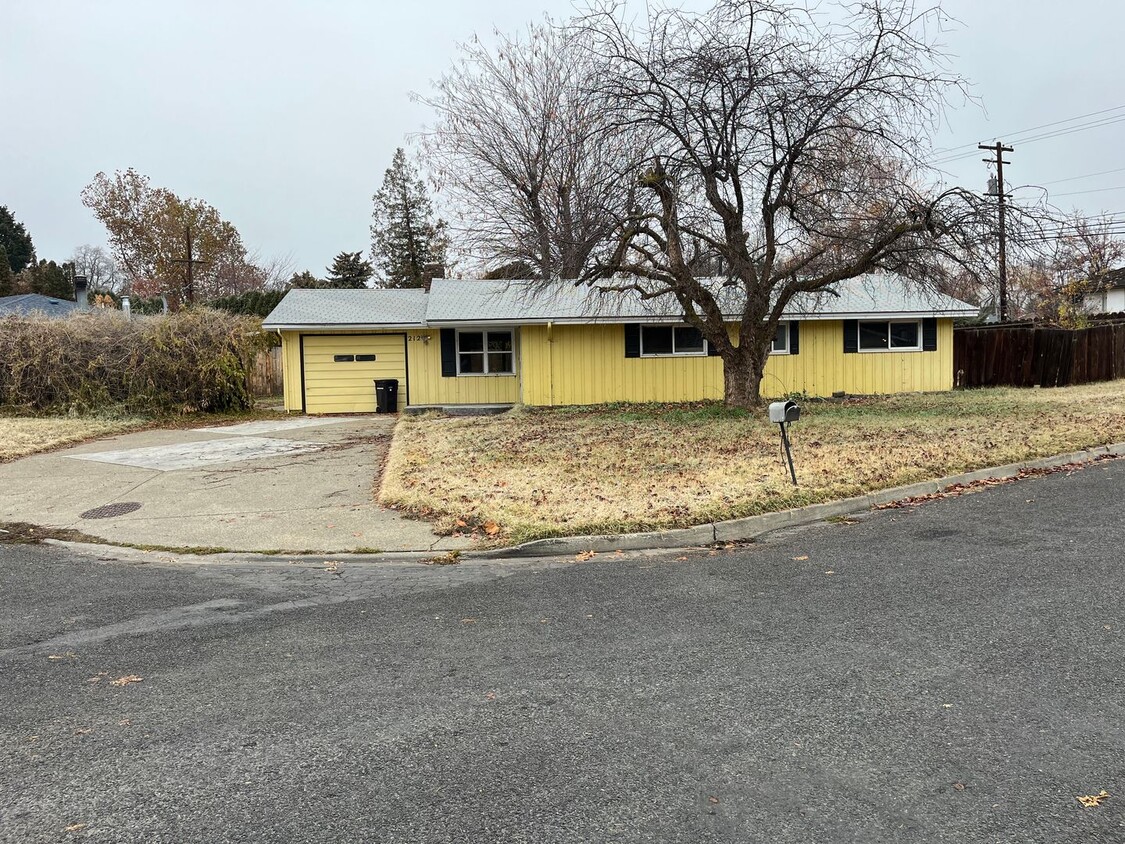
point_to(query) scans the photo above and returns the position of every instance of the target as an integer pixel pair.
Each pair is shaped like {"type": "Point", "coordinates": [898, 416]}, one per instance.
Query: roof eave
{"type": "Point", "coordinates": [352, 326]}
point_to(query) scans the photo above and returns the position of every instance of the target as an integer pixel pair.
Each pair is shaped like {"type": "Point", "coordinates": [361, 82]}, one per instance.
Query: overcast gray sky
{"type": "Point", "coordinates": [284, 114]}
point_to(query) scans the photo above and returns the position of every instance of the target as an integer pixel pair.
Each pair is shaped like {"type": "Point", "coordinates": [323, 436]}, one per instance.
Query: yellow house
{"type": "Point", "coordinates": [501, 343]}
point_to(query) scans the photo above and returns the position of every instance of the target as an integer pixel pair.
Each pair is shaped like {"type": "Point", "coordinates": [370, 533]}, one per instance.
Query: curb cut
{"type": "Point", "coordinates": [751, 527]}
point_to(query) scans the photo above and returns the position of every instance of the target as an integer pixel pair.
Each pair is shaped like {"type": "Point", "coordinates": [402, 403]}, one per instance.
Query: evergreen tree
{"type": "Point", "coordinates": [305, 280]}
{"type": "Point", "coordinates": [406, 242]}
{"type": "Point", "coordinates": [49, 279]}
{"type": "Point", "coordinates": [349, 270]}
{"type": "Point", "coordinates": [15, 241]}
{"type": "Point", "coordinates": [7, 283]}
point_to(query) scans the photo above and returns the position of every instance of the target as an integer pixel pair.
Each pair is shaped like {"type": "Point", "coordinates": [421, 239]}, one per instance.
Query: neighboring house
{"type": "Point", "coordinates": [1109, 295]}
{"type": "Point", "coordinates": [31, 303]}
{"type": "Point", "coordinates": [504, 342]}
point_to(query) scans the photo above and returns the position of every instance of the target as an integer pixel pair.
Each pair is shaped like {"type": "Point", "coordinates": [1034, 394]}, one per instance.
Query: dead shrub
{"type": "Point", "coordinates": [194, 360]}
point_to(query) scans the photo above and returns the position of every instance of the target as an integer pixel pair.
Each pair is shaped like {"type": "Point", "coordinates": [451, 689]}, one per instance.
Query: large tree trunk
{"type": "Point", "coordinates": [743, 369]}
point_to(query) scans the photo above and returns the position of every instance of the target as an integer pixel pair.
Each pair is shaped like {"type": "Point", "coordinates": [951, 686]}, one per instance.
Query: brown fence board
{"type": "Point", "coordinates": [1026, 356]}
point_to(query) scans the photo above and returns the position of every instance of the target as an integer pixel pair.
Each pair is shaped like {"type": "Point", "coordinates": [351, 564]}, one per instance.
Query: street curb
{"type": "Point", "coordinates": [751, 527]}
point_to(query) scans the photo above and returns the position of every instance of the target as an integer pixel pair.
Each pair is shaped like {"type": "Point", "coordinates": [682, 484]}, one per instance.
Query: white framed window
{"type": "Point", "coordinates": [668, 340]}
{"type": "Point", "coordinates": [485, 353]}
{"type": "Point", "coordinates": [896, 335]}
{"type": "Point", "coordinates": [780, 340]}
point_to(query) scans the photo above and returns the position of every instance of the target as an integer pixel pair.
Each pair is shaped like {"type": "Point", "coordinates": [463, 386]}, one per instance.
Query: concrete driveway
{"type": "Point", "coordinates": [280, 484]}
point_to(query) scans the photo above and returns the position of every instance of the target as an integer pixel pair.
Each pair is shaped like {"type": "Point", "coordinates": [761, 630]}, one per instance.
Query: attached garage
{"type": "Point", "coordinates": [339, 370]}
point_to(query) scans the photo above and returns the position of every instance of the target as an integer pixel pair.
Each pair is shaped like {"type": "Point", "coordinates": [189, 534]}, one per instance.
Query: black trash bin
{"type": "Point", "coordinates": [386, 395]}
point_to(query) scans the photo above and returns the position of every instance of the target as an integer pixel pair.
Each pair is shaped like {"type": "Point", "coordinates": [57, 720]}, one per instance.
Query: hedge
{"type": "Point", "coordinates": [194, 360]}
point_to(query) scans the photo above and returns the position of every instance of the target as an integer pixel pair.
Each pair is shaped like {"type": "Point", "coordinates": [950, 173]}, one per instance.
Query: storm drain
{"type": "Point", "coordinates": [108, 511]}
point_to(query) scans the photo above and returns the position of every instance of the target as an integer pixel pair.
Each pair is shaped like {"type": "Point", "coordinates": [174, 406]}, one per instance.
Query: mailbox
{"type": "Point", "coordinates": [785, 411]}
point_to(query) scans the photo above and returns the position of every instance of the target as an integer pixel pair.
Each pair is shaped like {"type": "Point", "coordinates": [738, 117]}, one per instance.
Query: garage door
{"type": "Point", "coordinates": [340, 370]}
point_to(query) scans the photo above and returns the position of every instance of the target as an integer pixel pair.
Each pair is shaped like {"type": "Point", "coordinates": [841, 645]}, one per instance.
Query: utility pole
{"type": "Point", "coordinates": [999, 149]}
{"type": "Point", "coordinates": [190, 261]}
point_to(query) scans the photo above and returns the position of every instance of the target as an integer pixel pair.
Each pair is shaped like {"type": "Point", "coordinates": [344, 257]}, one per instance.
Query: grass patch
{"type": "Point", "coordinates": [555, 472]}
{"type": "Point", "coordinates": [23, 435]}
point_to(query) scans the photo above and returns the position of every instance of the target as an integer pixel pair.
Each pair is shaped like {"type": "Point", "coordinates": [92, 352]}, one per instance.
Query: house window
{"type": "Point", "coordinates": [671, 340]}
{"type": "Point", "coordinates": [780, 340]}
{"type": "Point", "coordinates": [484, 353]}
{"type": "Point", "coordinates": [890, 336]}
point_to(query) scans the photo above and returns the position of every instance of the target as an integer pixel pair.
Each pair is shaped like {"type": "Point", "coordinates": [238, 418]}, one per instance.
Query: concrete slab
{"type": "Point", "coordinates": [316, 495]}
{"type": "Point", "coordinates": [270, 426]}
{"type": "Point", "coordinates": [194, 455]}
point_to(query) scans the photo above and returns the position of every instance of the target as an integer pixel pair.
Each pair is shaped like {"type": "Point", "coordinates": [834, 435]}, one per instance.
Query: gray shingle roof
{"type": "Point", "coordinates": [30, 303]}
{"type": "Point", "coordinates": [455, 300]}
{"type": "Point", "coordinates": [349, 309]}
{"type": "Point", "coordinates": [458, 301]}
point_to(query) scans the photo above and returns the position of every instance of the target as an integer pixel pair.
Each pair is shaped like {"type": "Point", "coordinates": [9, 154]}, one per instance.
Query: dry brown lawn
{"type": "Point", "coordinates": [564, 471]}
{"type": "Point", "coordinates": [23, 435]}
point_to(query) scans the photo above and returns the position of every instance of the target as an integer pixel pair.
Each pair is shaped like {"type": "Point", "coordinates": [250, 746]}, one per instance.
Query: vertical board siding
{"type": "Point", "coordinates": [291, 367]}
{"type": "Point", "coordinates": [586, 364]}
{"type": "Point", "coordinates": [428, 387]}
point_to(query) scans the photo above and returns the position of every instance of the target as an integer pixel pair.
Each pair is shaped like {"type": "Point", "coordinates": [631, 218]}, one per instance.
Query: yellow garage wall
{"type": "Point", "coordinates": [586, 364]}
{"type": "Point", "coordinates": [428, 387]}
{"type": "Point", "coordinates": [291, 369]}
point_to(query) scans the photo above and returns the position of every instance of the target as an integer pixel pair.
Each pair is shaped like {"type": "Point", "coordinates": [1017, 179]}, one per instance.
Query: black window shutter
{"type": "Point", "coordinates": [929, 334]}
{"type": "Point", "coordinates": [794, 337]}
{"type": "Point", "coordinates": [851, 336]}
{"type": "Point", "coordinates": [632, 340]}
{"type": "Point", "coordinates": [448, 352]}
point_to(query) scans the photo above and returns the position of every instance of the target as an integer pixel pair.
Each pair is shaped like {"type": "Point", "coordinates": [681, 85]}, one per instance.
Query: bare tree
{"type": "Point", "coordinates": [518, 151]}
{"type": "Point", "coordinates": [95, 263]}
{"type": "Point", "coordinates": [787, 146]}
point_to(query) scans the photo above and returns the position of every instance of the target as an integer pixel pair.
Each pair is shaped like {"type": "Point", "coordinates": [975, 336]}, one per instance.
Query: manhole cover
{"type": "Point", "coordinates": [108, 511]}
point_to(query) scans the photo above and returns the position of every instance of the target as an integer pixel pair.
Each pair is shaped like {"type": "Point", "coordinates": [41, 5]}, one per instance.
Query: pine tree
{"type": "Point", "coordinates": [7, 283]}
{"type": "Point", "coordinates": [349, 270]}
{"type": "Point", "coordinates": [408, 245]}
{"type": "Point", "coordinates": [15, 241]}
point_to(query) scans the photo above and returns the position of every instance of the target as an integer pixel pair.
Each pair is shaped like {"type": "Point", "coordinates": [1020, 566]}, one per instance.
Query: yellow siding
{"type": "Point", "coordinates": [428, 387]}
{"type": "Point", "coordinates": [291, 369]}
{"type": "Point", "coordinates": [586, 364]}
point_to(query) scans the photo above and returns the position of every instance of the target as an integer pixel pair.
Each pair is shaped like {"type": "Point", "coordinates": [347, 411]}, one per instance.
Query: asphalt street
{"type": "Point", "coordinates": [951, 672]}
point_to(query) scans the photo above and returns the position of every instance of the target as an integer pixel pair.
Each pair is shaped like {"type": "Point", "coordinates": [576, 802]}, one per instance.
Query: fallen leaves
{"type": "Point", "coordinates": [67, 655]}
{"type": "Point", "coordinates": [583, 556]}
{"type": "Point", "coordinates": [126, 680]}
{"type": "Point", "coordinates": [802, 557]}
{"type": "Point", "coordinates": [1092, 800]}
{"type": "Point", "coordinates": [74, 827]}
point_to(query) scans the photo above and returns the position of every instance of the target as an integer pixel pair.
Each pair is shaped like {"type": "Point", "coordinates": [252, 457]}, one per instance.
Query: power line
{"type": "Point", "coordinates": [1096, 124]}
{"type": "Point", "coordinates": [1093, 190]}
{"type": "Point", "coordinates": [1014, 135]}
{"type": "Point", "coordinates": [1084, 176]}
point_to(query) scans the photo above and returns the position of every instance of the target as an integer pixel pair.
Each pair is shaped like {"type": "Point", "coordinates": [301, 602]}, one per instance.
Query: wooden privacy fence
{"type": "Point", "coordinates": [265, 376]}
{"type": "Point", "coordinates": [1028, 356]}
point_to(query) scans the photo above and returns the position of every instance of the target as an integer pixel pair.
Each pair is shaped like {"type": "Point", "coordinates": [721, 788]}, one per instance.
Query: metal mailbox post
{"type": "Point", "coordinates": [784, 412]}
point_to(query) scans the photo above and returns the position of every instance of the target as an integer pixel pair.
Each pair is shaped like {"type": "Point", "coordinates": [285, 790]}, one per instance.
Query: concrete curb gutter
{"type": "Point", "coordinates": [751, 527]}
{"type": "Point", "coordinates": [734, 530]}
